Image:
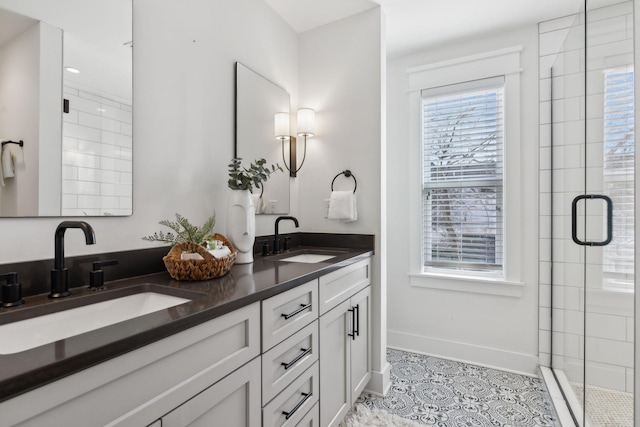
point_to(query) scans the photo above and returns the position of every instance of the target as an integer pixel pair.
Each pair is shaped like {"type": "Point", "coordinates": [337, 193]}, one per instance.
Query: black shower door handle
{"type": "Point", "coordinates": [574, 216]}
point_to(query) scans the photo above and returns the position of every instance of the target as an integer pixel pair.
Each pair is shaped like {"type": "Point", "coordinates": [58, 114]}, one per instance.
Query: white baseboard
{"type": "Point", "coordinates": [380, 381]}
{"type": "Point", "coordinates": [519, 363]}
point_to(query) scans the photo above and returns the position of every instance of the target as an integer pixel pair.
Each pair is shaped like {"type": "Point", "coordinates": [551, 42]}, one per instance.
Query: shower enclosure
{"type": "Point", "coordinates": [587, 209]}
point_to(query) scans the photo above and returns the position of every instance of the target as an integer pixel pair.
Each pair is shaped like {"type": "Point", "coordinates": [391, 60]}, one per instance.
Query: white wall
{"type": "Point", "coordinates": [184, 58]}
{"type": "Point", "coordinates": [341, 71]}
{"type": "Point", "coordinates": [485, 329]}
{"type": "Point", "coordinates": [49, 126]}
{"type": "Point", "coordinates": [19, 100]}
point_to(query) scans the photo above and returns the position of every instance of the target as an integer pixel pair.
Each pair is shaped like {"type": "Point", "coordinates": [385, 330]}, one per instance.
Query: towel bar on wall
{"type": "Point", "coordinates": [348, 174]}
{"type": "Point", "coordinates": [20, 143]}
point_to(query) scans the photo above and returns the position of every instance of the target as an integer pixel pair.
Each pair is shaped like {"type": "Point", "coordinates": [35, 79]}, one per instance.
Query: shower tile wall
{"type": "Point", "coordinates": [97, 155]}
{"type": "Point", "coordinates": [609, 320]}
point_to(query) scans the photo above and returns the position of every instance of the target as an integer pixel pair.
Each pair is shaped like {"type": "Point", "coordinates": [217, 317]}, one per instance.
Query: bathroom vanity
{"type": "Point", "coordinates": [280, 342]}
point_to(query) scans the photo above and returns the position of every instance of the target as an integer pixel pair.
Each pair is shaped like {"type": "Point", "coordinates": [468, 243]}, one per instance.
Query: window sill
{"type": "Point", "coordinates": [475, 285]}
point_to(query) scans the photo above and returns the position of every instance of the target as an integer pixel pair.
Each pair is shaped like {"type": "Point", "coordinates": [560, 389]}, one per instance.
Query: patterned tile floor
{"type": "Point", "coordinates": [443, 393]}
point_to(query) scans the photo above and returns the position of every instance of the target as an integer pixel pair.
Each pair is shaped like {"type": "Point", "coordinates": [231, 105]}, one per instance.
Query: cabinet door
{"type": "Point", "coordinates": [232, 402]}
{"type": "Point", "coordinates": [335, 393]}
{"type": "Point", "coordinates": [360, 343]}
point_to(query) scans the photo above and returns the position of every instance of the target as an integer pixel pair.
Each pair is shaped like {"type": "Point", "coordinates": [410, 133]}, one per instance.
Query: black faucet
{"type": "Point", "coordinates": [59, 274]}
{"type": "Point", "coordinates": [276, 239]}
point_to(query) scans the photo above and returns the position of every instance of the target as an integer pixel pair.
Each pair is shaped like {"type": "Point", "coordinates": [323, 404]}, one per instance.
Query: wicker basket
{"type": "Point", "coordinates": [198, 269]}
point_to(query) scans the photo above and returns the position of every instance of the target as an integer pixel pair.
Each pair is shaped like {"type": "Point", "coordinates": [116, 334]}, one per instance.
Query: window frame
{"type": "Point", "coordinates": [503, 62]}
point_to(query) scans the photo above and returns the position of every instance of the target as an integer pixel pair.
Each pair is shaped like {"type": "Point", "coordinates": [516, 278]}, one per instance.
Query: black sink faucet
{"type": "Point", "coordinates": [276, 239]}
{"type": "Point", "coordinates": [59, 274]}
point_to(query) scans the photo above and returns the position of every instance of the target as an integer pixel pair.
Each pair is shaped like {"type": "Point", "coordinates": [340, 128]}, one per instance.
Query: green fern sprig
{"type": "Point", "coordinates": [184, 231]}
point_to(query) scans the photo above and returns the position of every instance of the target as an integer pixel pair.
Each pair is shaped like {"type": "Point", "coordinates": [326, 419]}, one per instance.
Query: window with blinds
{"type": "Point", "coordinates": [618, 177]}
{"type": "Point", "coordinates": [462, 170]}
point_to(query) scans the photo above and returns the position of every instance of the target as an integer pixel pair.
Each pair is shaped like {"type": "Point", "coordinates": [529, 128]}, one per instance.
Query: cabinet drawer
{"type": "Point", "coordinates": [234, 399]}
{"type": "Point", "coordinates": [312, 419]}
{"type": "Point", "coordinates": [294, 402]}
{"type": "Point", "coordinates": [286, 361]}
{"type": "Point", "coordinates": [341, 284]}
{"type": "Point", "coordinates": [286, 313]}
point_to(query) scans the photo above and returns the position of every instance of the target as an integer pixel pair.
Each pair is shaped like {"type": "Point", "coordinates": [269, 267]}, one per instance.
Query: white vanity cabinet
{"type": "Point", "coordinates": [299, 358]}
{"type": "Point", "coordinates": [345, 340]}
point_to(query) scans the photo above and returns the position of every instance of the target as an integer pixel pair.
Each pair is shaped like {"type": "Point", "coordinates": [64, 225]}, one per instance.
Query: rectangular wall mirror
{"type": "Point", "coordinates": [66, 93]}
{"type": "Point", "coordinates": [257, 102]}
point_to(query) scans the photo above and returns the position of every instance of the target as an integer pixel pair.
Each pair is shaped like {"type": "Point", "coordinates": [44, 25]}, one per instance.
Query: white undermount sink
{"type": "Point", "coordinates": [34, 332]}
{"type": "Point", "coordinates": [308, 258]}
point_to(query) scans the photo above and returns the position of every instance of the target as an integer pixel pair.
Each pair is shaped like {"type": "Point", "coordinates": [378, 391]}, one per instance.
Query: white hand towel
{"type": "Point", "coordinates": [190, 255]}
{"type": "Point", "coordinates": [11, 156]}
{"type": "Point", "coordinates": [342, 205]}
{"type": "Point", "coordinates": [220, 253]}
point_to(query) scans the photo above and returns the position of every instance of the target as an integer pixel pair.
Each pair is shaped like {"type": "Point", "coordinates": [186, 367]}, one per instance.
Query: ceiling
{"type": "Point", "coordinates": [414, 25]}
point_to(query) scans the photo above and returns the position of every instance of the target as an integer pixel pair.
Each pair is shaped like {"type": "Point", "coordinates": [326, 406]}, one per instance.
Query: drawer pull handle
{"type": "Point", "coordinates": [305, 351]}
{"type": "Point", "coordinates": [302, 308]}
{"type": "Point", "coordinates": [357, 316]}
{"type": "Point", "coordinates": [353, 332]}
{"type": "Point", "coordinates": [288, 415]}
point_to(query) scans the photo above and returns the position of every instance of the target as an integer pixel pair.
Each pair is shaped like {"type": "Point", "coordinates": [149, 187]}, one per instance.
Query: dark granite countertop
{"type": "Point", "coordinates": [243, 285]}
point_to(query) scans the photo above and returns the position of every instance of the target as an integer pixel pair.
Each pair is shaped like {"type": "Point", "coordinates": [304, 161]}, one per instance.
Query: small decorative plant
{"type": "Point", "coordinates": [241, 178]}
{"type": "Point", "coordinates": [183, 231]}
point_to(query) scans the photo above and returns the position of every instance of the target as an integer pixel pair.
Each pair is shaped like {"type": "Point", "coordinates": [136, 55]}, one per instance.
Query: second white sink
{"type": "Point", "coordinates": [308, 258]}
{"type": "Point", "coordinates": [30, 333]}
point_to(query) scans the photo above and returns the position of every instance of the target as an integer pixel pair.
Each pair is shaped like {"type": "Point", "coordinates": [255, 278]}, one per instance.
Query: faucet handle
{"type": "Point", "coordinates": [96, 277]}
{"type": "Point", "coordinates": [11, 291]}
{"type": "Point", "coordinates": [265, 247]}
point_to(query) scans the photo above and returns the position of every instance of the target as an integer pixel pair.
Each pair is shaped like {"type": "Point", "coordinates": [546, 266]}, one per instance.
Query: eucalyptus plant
{"type": "Point", "coordinates": [183, 231]}
{"type": "Point", "coordinates": [241, 178]}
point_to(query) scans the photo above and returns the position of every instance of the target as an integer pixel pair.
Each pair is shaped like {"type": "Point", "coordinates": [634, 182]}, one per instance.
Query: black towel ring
{"type": "Point", "coordinates": [20, 143]}
{"type": "Point", "coordinates": [348, 174]}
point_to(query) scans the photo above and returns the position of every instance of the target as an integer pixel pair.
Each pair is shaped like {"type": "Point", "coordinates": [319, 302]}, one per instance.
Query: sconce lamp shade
{"type": "Point", "coordinates": [306, 122]}
{"type": "Point", "coordinates": [281, 126]}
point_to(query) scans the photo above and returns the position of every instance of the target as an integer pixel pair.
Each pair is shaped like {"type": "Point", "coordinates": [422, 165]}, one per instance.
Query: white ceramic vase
{"type": "Point", "coordinates": [241, 224]}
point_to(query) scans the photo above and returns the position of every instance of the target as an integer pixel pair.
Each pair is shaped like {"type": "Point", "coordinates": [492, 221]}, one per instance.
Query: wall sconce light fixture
{"type": "Point", "coordinates": [306, 128]}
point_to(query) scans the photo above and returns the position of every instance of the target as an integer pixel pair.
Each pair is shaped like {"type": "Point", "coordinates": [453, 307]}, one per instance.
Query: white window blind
{"type": "Point", "coordinates": [462, 169]}
{"type": "Point", "coordinates": [618, 172]}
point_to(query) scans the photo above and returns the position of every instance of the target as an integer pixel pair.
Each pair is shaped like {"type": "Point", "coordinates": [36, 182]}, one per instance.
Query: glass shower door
{"type": "Point", "coordinates": [609, 267]}
{"type": "Point", "coordinates": [593, 215]}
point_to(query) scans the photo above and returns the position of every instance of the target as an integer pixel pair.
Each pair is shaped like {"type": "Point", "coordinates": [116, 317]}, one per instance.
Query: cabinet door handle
{"type": "Point", "coordinates": [352, 310]}
{"type": "Point", "coordinates": [357, 316]}
{"type": "Point", "coordinates": [306, 397]}
{"type": "Point", "coordinates": [304, 351]}
{"type": "Point", "coordinates": [302, 308]}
